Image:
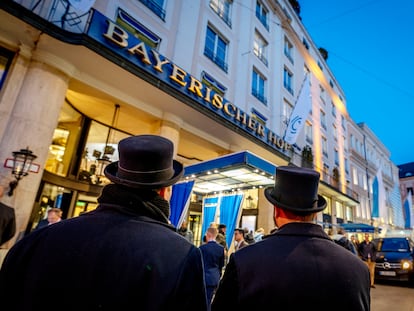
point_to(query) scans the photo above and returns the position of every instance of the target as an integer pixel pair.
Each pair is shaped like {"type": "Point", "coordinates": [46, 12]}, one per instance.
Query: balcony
{"type": "Point", "coordinates": [58, 12]}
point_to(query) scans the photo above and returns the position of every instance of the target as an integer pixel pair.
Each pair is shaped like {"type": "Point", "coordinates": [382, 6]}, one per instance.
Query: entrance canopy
{"type": "Point", "coordinates": [357, 227]}
{"type": "Point", "coordinates": [236, 171]}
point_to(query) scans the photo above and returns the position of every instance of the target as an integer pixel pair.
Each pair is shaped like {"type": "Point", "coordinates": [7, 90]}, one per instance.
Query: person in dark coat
{"type": "Point", "coordinates": [213, 260]}
{"type": "Point", "coordinates": [298, 267]}
{"type": "Point", "coordinates": [7, 220]}
{"type": "Point", "coordinates": [125, 255]}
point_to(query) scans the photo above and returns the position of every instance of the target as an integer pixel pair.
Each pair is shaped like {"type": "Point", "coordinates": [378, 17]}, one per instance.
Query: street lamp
{"type": "Point", "coordinates": [22, 161]}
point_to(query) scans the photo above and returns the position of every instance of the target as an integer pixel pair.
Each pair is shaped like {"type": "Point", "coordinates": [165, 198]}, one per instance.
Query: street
{"type": "Point", "coordinates": [392, 296]}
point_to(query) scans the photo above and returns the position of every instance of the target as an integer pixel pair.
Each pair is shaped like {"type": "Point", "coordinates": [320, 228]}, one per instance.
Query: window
{"type": "Point", "coordinates": [260, 47]}
{"type": "Point", "coordinates": [258, 86]}
{"type": "Point", "coordinates": [320, 65]}
{"type": "Point", "coordinates": [130, 24]}
{"type": "Point", "coordinates": [287, 80]}
{"type": "Point", "coordinates": [324, 146]}
{"type": "Point", "coordinates": [287, 111]}
{"type": "Point", "coordinates": [308, 133]}
{"type": "Point", "coordinates": [223, 9]}
{"type": "Point", "coordinates": [216, 48]}
{"type": "Point", "coordinates": [346, 166]}
{"type": "Point", "coordinates": [213, 84]}
{"type": "Point", "coordinates": [336, 157]}
{"type": "Point", "coordinates": [339, 210]}
{"type": "Point", "coordinates": [288, 50]}
{"type": "Point", "coordinates": [305, 43]}
{"type": "Point", "coordinates": [355, 176]}
{"type": "Point", "coordinates": [6, 58]}
{"type": "Point", "coordinates": [343, 122]}
{"type": "Point", "coordinates": [262, 14]}
{"type": "Point", "coordinates": [156, 6]}
{"type": "Point", "coordinates": [323, 119]}
{"type": "Point", "coordinates": [335, 132]}
{"type": "Point", "coordinates": [333, 109]}
{"type": "Point", "coordinates": [322, 93]}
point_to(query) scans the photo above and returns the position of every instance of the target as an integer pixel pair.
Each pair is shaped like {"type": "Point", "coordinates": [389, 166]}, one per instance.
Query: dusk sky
{"type": "Point", "coordinates": [370, 46]}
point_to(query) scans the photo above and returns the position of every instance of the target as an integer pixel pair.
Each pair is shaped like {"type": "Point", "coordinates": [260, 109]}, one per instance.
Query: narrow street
{"type": "Point", "coordinates": [392, 296]}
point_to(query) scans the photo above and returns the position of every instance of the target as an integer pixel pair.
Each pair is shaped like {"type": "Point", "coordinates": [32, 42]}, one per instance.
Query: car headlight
{"type": "Point", "coordinates": [406, 265]}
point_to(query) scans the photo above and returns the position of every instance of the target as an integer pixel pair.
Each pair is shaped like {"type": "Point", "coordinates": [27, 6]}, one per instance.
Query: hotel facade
{"type": "Point", "coordinates": [217, 77]}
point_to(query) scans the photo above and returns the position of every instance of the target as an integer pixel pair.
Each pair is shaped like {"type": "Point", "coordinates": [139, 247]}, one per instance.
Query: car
{"type": "Point", "coordinates": [395, 259]}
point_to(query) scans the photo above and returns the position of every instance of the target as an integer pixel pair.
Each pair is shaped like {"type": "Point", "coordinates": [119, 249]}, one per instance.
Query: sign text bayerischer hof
{"type": "Point", "coordinates": [129, 47]}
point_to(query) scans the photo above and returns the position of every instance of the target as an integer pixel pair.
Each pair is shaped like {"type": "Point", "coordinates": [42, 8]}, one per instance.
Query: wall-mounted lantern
{"type": "Point", "coordinates": [22, 161]}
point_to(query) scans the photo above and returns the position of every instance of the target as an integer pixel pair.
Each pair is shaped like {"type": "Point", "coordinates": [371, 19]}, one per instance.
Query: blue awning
{"type": "Point", "coordinates": [358, 227]}
{"type": "Point", "coordinates": [231, 172]}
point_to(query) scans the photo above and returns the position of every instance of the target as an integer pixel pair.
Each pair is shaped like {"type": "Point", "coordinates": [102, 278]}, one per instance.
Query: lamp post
{"type": "Point", "coordinates": [22, 161]}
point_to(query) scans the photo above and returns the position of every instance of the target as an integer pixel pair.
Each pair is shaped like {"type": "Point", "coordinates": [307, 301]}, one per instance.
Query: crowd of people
{"type": "Point", "coordinates": [126, 254]}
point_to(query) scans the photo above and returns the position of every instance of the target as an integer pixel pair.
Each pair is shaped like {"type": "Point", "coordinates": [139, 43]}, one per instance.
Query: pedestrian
{"type": "Point", "coordinates": [355, 242]}
{"type": "Point", "coordinates": [186, 232]}
{"type": "Point", "coordinates": [7, 220]}
{"type": "Point", "coordinates": [341, 239]}
{"type": "Point", "coordinates": [298, 267]}
{"type": "Point", "coordinates": [368, 253]}
{"type": "Point", "coordinates": [213, 260]}
{"type": "Point", "coordinates": [124, 255]}
{"type": "Point", "coordinates": [54, 215]}
{"type": "Point", "coordinates": [239, 239]}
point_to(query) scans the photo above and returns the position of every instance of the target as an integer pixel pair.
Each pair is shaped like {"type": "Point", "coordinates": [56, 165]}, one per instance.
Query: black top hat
{"type": "Point", "coordinates": [296, 190]}
{"type": "Point", "coordinates": [145, 161]}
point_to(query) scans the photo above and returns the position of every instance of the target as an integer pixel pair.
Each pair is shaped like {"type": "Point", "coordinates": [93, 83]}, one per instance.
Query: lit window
{"type": "Point", "coordinates": [260, 47]}
{"type": "Point", "coordinates": [223, 9]}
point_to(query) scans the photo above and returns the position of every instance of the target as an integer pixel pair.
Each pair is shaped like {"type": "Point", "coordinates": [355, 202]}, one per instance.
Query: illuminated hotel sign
{"type": "Point", "coordinates": [130, 48]}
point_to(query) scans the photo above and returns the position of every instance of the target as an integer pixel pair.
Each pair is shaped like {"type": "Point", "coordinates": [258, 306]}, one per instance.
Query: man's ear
{"type": "Point", "coordinates": [166, 192]}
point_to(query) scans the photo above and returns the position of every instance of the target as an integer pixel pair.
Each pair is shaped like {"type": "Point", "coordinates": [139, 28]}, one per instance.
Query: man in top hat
{"type": "Point", "coordinates": [125, 255]}
{"type": "Point", "coordinates": [298, 267]}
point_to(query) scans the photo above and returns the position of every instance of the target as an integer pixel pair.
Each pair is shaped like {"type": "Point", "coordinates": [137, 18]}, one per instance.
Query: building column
{"type": "Point", "coordinates": [31, 124]}
{"type": "Point", "coordinates": [170, 128]}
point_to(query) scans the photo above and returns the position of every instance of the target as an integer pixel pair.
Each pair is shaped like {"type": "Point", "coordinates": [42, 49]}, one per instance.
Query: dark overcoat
{"type": "Point", "coordinates": [7, 223]}
{"type": "Point", "coordinates": [297, 268]}
{"type": "Point", "coordinates": [108, 259]}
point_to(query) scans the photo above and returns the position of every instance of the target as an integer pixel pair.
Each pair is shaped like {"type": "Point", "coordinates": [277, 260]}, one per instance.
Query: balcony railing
{"type": "Point", "coordinates": [58, 12]}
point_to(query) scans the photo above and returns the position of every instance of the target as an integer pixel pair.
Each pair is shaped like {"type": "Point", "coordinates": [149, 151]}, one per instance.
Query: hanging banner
{"type": "Point", "coordinates": [209, 212]}
{"type": "Point", "coordinates": [379, 209]}
{"type": "Point", "coordinates": [180, 202]}
{"type": "Point", "coordinates": [408, 211]}
{"type": "Point", "coordinates": [229, 214]}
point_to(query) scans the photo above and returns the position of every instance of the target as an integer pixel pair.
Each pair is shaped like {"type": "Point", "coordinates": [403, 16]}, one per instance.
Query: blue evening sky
{"type": "Point", "coordinates": [370, 46]}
